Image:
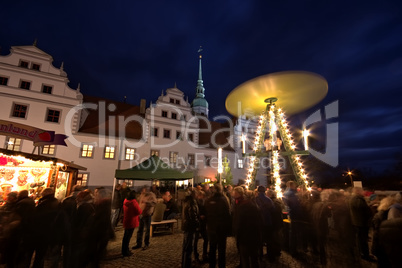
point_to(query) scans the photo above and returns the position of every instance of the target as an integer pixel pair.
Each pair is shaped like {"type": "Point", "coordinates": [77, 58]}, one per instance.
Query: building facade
{"type": "Point", "coordinates": [105, 135]}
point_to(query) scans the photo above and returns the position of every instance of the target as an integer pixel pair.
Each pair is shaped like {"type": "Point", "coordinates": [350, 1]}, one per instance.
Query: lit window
{"type": "Point", "coordinates": [166, 133]}
{"type": "Point", "coordinates": [47, 89]}
{"type": "Point", "coordinates": [3, 81]}
{"type": "Point", "coordinates": [53, 116]}
{"type": "Point", "coordinates": [164, 114]}
{"type": "Point", "coordinates": [20, 110]}
{"type": "Point", "coordinates": [87, 150]}
{"type": "Point", "coordinates": [82, 179]}
{"type": "Point", "coordinates": [173, 157]}
{"type": "Point", "coordinates": [154, 152]}
{"type": "Point", "coordinates": [239, 163]}
{"type": "Point", "coordinates": [24, 64]}
{"type": "Point", "coordinates": [154, 132]}
{"type": "Point", "coordinates": [130, 153]}
{"type": "Point", "coordinates": [13, 144]}
{"type": "Point", "coordinates": [49, 149]}
{"type": "Point", "coordinates": [35, 66]}
{"type": "Point", "coordinates": [25, 84]}
{"type": "Point", "coordinates": [109, 152]}
{"type": "Point", "coordinates": [174, 116]}
{"type": "Point", "coordinates": [191, 160]}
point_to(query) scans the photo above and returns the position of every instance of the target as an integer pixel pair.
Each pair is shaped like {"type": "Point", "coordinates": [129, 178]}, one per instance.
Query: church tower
{"type": "Point", "coordinates": [200, 105]}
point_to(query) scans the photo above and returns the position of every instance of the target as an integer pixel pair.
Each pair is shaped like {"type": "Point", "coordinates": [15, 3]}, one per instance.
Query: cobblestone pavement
{"type": "Point", "coordinates": [165, 251]}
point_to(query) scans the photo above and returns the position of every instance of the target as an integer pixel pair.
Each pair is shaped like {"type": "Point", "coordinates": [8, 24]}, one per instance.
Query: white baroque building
{"type": "Point", "coordinates": [105, 135]}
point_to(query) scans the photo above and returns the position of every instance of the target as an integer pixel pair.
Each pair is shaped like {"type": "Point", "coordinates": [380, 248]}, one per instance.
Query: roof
{"type": "Point", "coordinates": [133, 129]}
{"type": "Point", "coordinates": [220, 134]}
{"type": "Point", "coordinates": [37, 157]}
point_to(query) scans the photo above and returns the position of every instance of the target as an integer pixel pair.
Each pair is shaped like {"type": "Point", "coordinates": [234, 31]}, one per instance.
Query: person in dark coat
{"type": "Point", "coordinates": [131, 211]}
{"type": "Point", "coordinates": [218, 224]}
{"type": "Point", "coordinates": [391, 241]}
{"type": "Point", "coordinates": [202, 230]}
{"type": "Point", "coordinates": [25, 208]}
{"type": "Point", "coordinates": [190, 223]}
{"type": "Point", "coordinates": [10, 225]}
{"type": "Point", "coordinates": [247, 228]}
{"type": "Point", "coordinates": [45, 216]}
{"type": "Point", "coordinates": [297, 218]}
{"type": "Point", "coordinates": [266, 208]}
{"type": "Point", "coordinates": [117, 205]}
{"type": "Point", "coordinates": [171, 207]}
{"type": "Point", "coordinates": [361, 216]}
{"type": "Point", "coordinates": [381, 216]}
{"type": "Point", "coordinates": [82, 225]}
{"type": "Point", "coordinates": [102, 230]}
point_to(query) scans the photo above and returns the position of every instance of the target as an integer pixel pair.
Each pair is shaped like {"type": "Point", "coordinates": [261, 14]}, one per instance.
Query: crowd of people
{"type": "Point", "coordinates": [76, 230]}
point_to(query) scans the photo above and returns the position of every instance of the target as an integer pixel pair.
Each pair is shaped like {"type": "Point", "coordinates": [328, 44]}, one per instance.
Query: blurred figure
{"type": "Point", "coordinates": [218, 224]}
{"type": "Point", "coordinates": [117, 204]}
{"type": "Point", "coordinates": [147, 202]}
{"type": "Point", "coordinates": [396, 209]}
{"type": "Point", "coordinates": [10, 224]}
{"type": "Point", "coordinates": [82, 225]}
{"type": "Point", "coordinates": [125, 190]}
{"type": "Point", "coordinates": [190, 223]}
{"type": "Point", "coordinates": [44, 225]}
{"type": "Point", "coordinates": [266, 208]}
{"type": "Point", "coordinates": [155, 190]}
{"type": "Point", "coordinates": [202, 230]}
{"type": "Point", "coordinates": [380, 217]}
{"type": "Point", "coordinates": [361, 219]}
{"type": "Point", "coordinates": [171, 207]}
{"type": "Point", "coordinates": [247, 228]}
{"type": "Point", "coordinates": [131, 211]}
{"type": "Point", "coordinates": [206, 189]}
{"type": "Point", "coordinates": [390, 240]}
{"type": "Point", "coordinates": [25, 208]}
{"type": "Point", "coordinates": [102, 230]}
{"type": "Point", "coordinates": [296, 229]}
{"type": "Point", "coordinates": [69, 206]}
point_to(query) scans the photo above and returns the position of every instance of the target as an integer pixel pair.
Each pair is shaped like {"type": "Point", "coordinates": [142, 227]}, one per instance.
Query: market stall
{"type": "Point", "coordinates": [24, 171]}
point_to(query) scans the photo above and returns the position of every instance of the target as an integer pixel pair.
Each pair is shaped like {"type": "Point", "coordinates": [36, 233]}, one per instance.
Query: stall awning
{"type": "Point", "coordinates": [153, 168]}
{"type": "Point", "coordinates": [36, 157]}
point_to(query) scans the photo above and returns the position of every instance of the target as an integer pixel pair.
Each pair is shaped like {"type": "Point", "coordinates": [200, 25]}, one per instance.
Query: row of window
{"type": "Point", "coordinates": [167, 134]}
{"type": "Point", "coordinates": [21, 110]}
{"type": "Point", "coordinates": [87, 151]}
{"type": "Point", "coordinates": [172, 115]}
{"type": "Point", "coordinates": [24, 84]}
{"type": "Point", "coordinates": [29, 65]}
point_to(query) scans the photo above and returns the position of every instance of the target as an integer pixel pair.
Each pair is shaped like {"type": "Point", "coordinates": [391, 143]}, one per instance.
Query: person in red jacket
{"type": "Point", "coordinates": [130, 220]}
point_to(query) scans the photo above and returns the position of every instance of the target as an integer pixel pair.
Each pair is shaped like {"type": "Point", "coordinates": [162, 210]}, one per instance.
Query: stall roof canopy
{"type": "Point", "coordinates": [38, 157]}
{"type": "Point", "coordinates": [153, 168]}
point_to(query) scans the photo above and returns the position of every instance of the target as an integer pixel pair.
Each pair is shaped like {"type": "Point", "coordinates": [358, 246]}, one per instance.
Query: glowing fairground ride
{"type": "Point", "coordinates": [270, 96]}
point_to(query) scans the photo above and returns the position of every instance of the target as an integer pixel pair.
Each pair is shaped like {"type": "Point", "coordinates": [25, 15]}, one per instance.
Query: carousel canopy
{"type": "Point", "coordinates": [153, 168]}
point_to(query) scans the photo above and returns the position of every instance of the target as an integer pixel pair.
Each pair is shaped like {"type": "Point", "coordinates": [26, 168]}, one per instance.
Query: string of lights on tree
{"type": "Point", "coordinates": [276, 123]}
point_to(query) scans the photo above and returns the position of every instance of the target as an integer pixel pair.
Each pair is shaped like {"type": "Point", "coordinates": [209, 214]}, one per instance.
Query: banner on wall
{"type": "Point", "coordinates": [38, 136]}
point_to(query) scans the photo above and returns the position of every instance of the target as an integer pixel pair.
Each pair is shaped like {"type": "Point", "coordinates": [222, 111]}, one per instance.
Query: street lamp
{"type": "Point", "coordinates": [350, 176]}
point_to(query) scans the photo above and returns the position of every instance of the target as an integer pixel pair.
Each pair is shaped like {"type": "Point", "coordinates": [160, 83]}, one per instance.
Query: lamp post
{"type": "Point", "coordinates": [351, 179]}
{"type": "Point", "coordinates": [220, 168]}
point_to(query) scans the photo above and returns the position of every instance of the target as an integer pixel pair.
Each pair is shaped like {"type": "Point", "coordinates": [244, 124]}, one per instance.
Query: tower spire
{"type": "Point", "coordinates": [200, 104]}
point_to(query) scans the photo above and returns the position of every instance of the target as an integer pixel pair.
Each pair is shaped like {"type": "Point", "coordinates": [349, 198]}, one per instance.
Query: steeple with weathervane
{"type": "Point", "coordinates": [200, 105]}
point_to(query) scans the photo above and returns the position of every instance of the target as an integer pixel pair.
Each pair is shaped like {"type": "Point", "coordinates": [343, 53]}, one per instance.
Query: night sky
{"type": "Point", "coordinates": [139, 48]}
